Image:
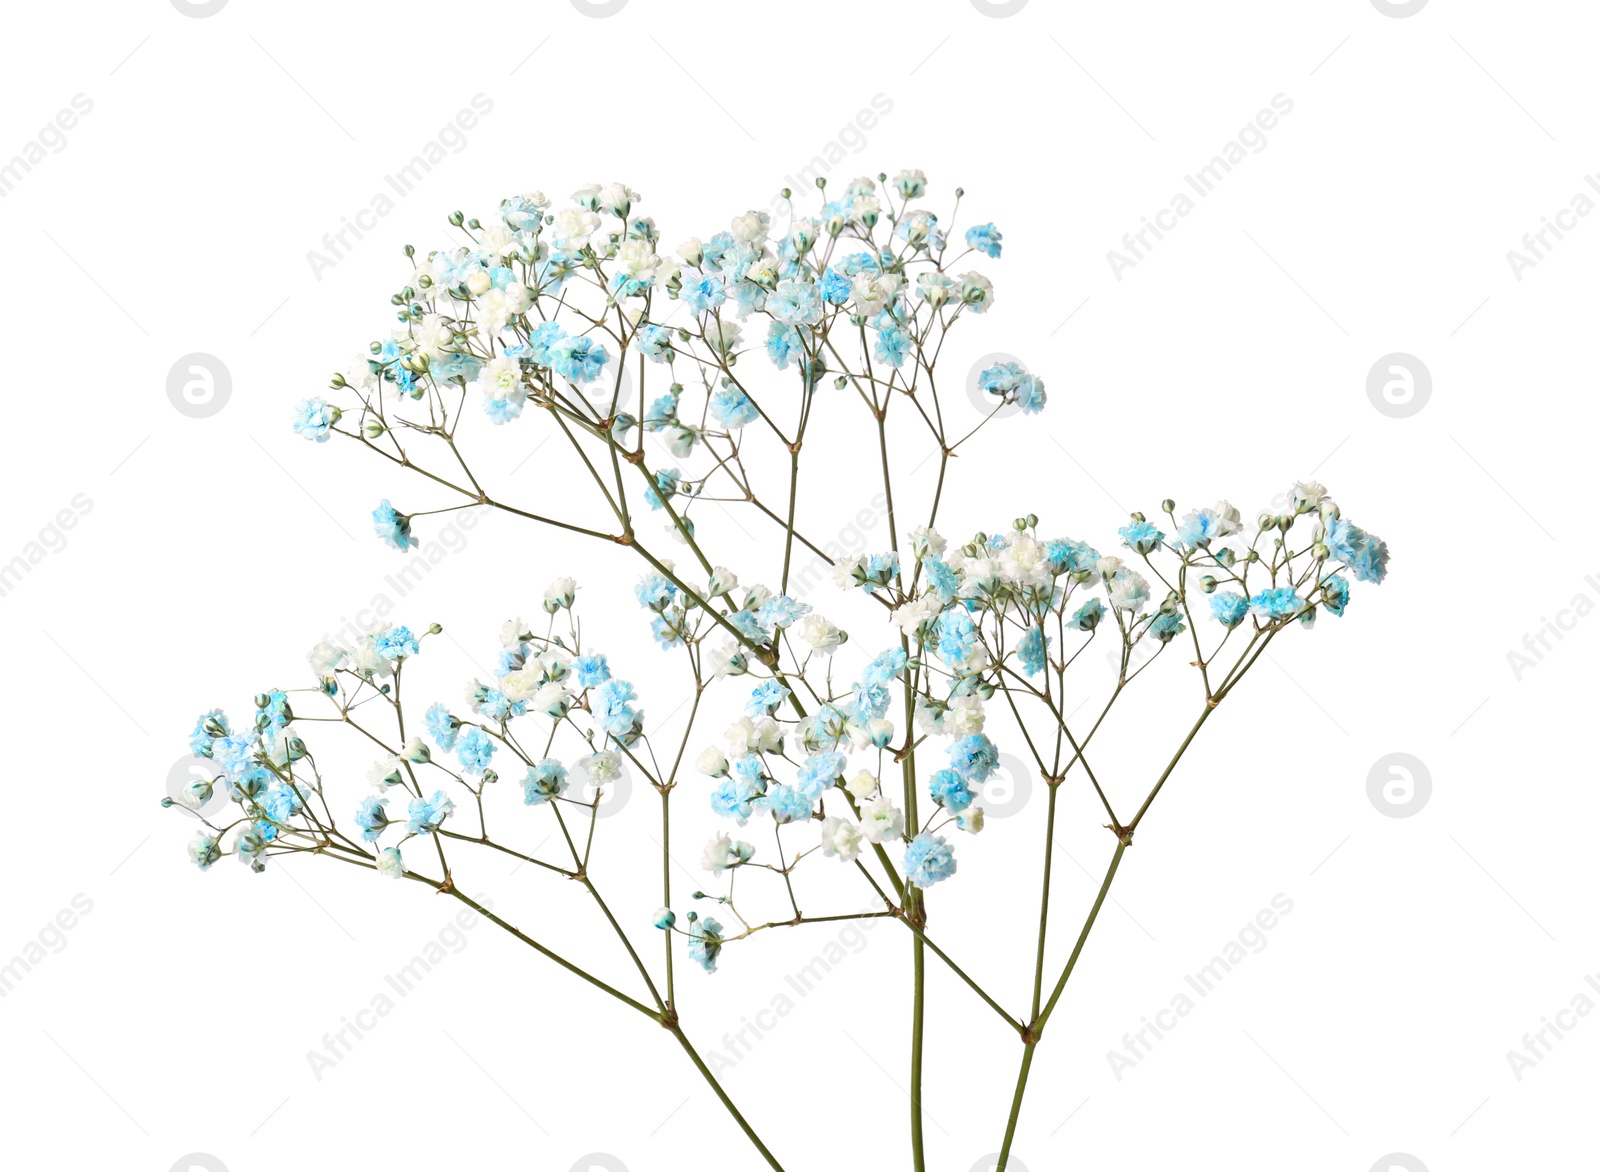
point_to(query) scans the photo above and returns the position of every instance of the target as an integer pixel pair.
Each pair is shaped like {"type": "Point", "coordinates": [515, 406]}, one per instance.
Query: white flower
{"type": "Point", "coordinates": [599, 768]}
{"type": "Point", "coordinates": [844, 572]}
{"type": "Point", "coordinates": [561, 592]}
{"type": "Point", "coordinates": [617, 198]}
{"type": "Point", "coordinates": [840, 839]}
{"type": "Point", "coordinates": [326, 658]}
{"type": "Point", "coordinates": [723, 581]}
{"type": "Point", "coordinates": [913, 614]}
{"type": "Point", "coordinates": [638, 260]}
{"type": "Point", "coordinates": [416, 751]}
{"type": "Point", "coordinates": [513, 633]}
{"type": "Point", "coordinates": [1107, 566]}
{"type": "Point", "coordinates": [965, 716]}
{"type": "Point", "coordinates": [390, 864]}
{"type": "Point", "coordinates": [818, 634]}
{"type": "Point", "coordinates": [927, 543]}
{"type": "Point", "coordinates": [723, 336]}
{"type": "Point", "coordinates": [521, 686]}
{"type": "Point", "coordinates": [880, 821]}
{"type": "Point", "coordinates": [910, 184]}
{"type": "Point", "coordinates": [692, 252]}
{"type": "Point", "coordinates": [1128, 591]}
{"type": "Point", "coordinates": [500, 376]}
{"type": "Point", "coordinates": [722, 852]}
{"type": "Point", "coordinates": [496, 307]}
{"type": "Point", "coordinates": [387, 772]}
{"type": "Point", "coordinates": [970, 819]}
{"type": "Point", "coordinates": [871, 295]}
{"type": "Point", "coordinates": [1025, 561]}
{"type": "Point", "coordinates": [977, 291]}
{"type": "Point", "coordinates": [728, 659]}
{"type": "Point", "coordinates": [711, 762]}
{"type": "Point", "coordinates": [573, 227]}
{"type": "Point", "coordinates": [862, 786]}
{"type": "Point", "coordinates": [552, 699]}
{"type": "Point", "coordinates": [359, 374]}
{"type": "Point", "coordinates": [751, 226]}
{"type": "Point", "coordinates": [1307, 495]}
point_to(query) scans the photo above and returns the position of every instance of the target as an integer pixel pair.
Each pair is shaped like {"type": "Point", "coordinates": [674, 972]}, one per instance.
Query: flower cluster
{"type": "Point", "coordinates": [691, 377]}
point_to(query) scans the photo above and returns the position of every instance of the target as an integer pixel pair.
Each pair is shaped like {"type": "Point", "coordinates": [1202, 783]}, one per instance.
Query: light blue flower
{"type": "Point", "coordinates": [703, 294]}
{"type": "Point", "coordinates": [885, 666]}
{"type": "Point", "coordinates": [766, 696]}
{"type": "Point", "coordinates": [974, 757]}
{"type": "Point", "coordinates": [426, 814]}
{"type": "Point", "coordinates": [1335, 594]}
{"type": "Point", "coordinates": [666, 487]}
{"type": "Point", "coordinates": [473, 750]}
{"type": "Point", "coordinates": [1165, 626]}
{"type": "Point", "coordinates": [578, 360]}
{"type": "Point", "coordinates": [928, 860]}
{"type": "Point", "coordinates": [785, 344]}
{"type": "Point", "coordinates": [655, 343]}
{"type": "Point", "coordinates": [1141, 536]}
{"type": "Point", "coordinates": [735, 797]}
{"type": "Point", "coordinates": [985, 238]}
{"type": "Point", "coordinates": [591, 670]}
{"type": "Point", "coordinates": [819, 772]}
{"type": "Point", "coordinates": [545, 780]}
{"type": "Point", "coordinates": [612, 711]}
{"type": "Point", "coordinates": [655, 592]}
{"type": "Point", "coordinates": [1031, 650]}
{"type": "Point", "coordinates": [313, 420]}
{"type": "Point", "coordinates": [1277, 602]}
{"type": "Point", "coordinates": [733, 408]}
{"type": "Point", "coordinates": [372, 817]}
{"type": "Point", "coordinates": [393, 527]}
{"type": "Point", "coordinates": [795, 303]}
{"type": "Point", "coordinates": [835, 287]}
{"type": "Point", "coordinates": [782, 611]}
{"type": "Point", "coordinates": [1229, 608]}
{"type": "Point", "coordinates": [1366, 555]}
{"type": "Point", "coordinates": [395, 643]}
{"type": "Point", "coordinates": [705, 942]}
{"type": "Point", "coordinates": [950, 790]}
{"type": "Point", "coordinates": [787, 803]}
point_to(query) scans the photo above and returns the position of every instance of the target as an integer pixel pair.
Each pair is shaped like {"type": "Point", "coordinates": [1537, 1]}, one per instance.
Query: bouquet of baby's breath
{"type": "Point", "coordinates": [682, 381]}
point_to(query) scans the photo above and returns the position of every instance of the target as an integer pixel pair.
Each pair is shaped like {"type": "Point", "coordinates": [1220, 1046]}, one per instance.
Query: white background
{"type": "Point", "coordinates": [1231, 361]}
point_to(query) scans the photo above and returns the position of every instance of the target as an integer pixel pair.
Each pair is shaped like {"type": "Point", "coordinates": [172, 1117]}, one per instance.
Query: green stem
{"type": "Point", "coordinates": [705, 1072]}
{"type": "Point", "coordinates": [918, 1159]}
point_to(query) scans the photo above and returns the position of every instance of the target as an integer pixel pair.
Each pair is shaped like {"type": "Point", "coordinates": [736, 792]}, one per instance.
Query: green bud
{"type": "Point", "coordinates": [1208, 583]}
{"type": "Point", "coordinates": [373, 428]}
{"type": "Point", "coordinates": [456, 219]}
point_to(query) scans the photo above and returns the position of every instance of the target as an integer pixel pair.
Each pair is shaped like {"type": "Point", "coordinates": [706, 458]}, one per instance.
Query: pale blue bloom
{"type": "Point", "coordinates": [1141, 536]}
{"type": "Point", "coordinates": [591, 670]}
{"type": "Point", "coordinates": [732, 408]}
{"type": "Point", "coordinates": [795, 303]}
{"type": "Point", "coordinates": [950, 790]}
{"type": "Point", "coordinates": [313, 420]}
{"type": "Point", "coordinates": [766, 696]}
{"type": "Point", "coordinates": [787, 803]}
{"type": "Point", "coordinates": [705, 942]}
{"type": "Point", "coordinates": [1335, 594]}
{"type": "Point", "coordinates": [819, 772]}
{"type": "Point", "coordinates": [372, 817]}
{"type": "Point", "coordinates": [928, 860]}
{"type": "Point", "coordinates": [974, 757]}
{"type": "Point", "coordinates": [1277, 602]}
{"type": "Point", "coordinates": [393, 527]}
{"type": "Point", "coordinates": [473, 750]}
{"type": "Point", "coordinates": [1229, 608]}
{"type": "Point", "coordinates": [782, 611]}
{"type": "Point", "coordinates": [1031, 650]}
{"type": "Point", "coordinates": [612, 711]}
{"type": "Point", "coordinates": [985, 238]}
{"type": "Point", "coordinates": [578, 360]}
{"type": "Point", "coordinates": [545, 780]}
{"type": "Point", "coordinates": [1165, 626]}
{"type": "Point", "coordinates": [1366, 555]}
{"type": "Point", "coordinates": [395, 643]}
{"type": "Point", "coordinates": [426, 814]}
